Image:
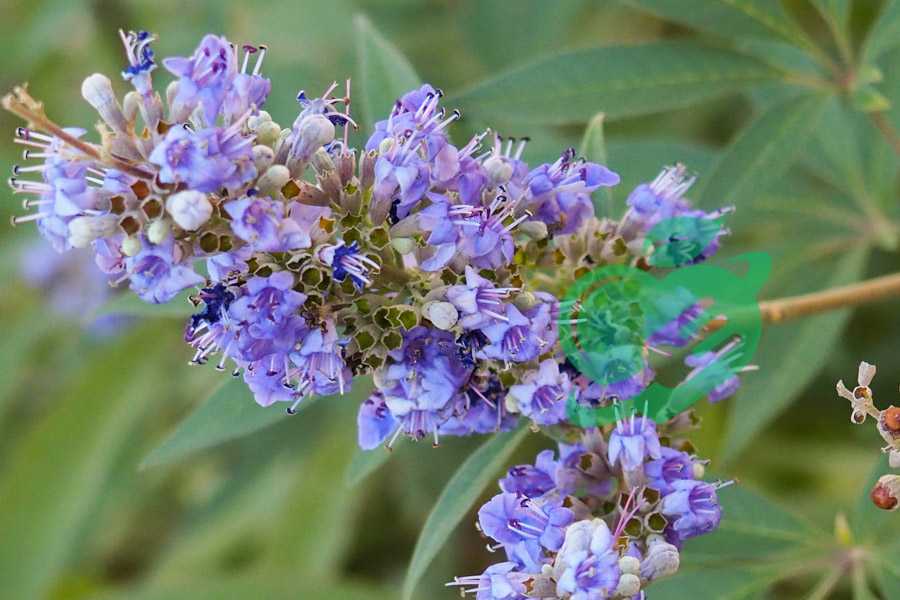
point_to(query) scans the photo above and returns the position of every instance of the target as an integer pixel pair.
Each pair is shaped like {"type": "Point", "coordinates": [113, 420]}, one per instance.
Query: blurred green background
{"type": "Point", "coordinates": [271, 514]}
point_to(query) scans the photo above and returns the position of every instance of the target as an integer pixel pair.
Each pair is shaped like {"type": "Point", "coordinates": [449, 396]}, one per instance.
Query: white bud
{"type": "Point", "coordinates": [273, 180]}
{"type": "Point", "coordinates": [131, 246]}
{"type": "Point", "coordinates": [498, 169]}
{"type": "Point", "coordinates": [894, 459]}
{"type": "Point", "coordinates": [629, 586]}
{"type": "Point", "coordinates": [84, 230]}
{"type": "Point", "coordinates": [189, 209]}
{"type": "Point", "coordinates": [254, 121]}
{"type": "Point", "coordinates": [698, 471]}
{"type": "Point", "coordinates": [442, 314]}
{"type": "Point", "coordinates": [97, 90]}
{"type": "Point", "coordinates": [158, 231]}
{"type": "Point", "coordinates": [536, 230]}
{"type": "Point", "coordinates": [386, 145]}
{"type": "Point", "coordinates": [312, 132]}
{"type": "Point", "coordinates": [630, 564]}
{"type": "Point", "coordinates": [263, 156]}
{"type": "Point", "coordinates": [662, 559]}
{"type": "Point", "coordinates": [268, 133]}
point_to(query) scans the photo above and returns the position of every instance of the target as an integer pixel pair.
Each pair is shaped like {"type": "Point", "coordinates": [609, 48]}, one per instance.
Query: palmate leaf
{"type": "Point", "coordinates": [762, 152]}
{"type": "Point", "coordinates": [384, 73]}
{"type": "Point", "coordinates": [461, 492]}
{"type": "Point", "coordinates": [56, 474]}
{"type": "Point", "coordinates": [621, 81]}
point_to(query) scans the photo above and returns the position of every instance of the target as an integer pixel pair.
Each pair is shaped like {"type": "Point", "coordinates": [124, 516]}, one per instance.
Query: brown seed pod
{"type": "Point", "coordinates": [884, 493]}
{"type": "Point", "coordinates": [890, 417]}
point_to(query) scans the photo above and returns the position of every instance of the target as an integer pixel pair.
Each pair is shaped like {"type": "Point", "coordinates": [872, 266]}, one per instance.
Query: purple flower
{"type": "Point", "coordinates": [374, 422]}
{"type": "Point", "coordinates": [713, 374]}
{"type": "Point", "coordinates": [523, 526]}
{"type": "Point", "coordinates": [586, 567]}
{"type": "Point", "coordinates": [532, 481]}
{"type": "Point", "coordinates": [480, 409]}
{"type": "Point", "coordinates": [156, 273]}
{"type": "Point", "coordinates": [542, 394]}
{"type": "Point", "coordinates": [499, 582]}
{"type": "Point", "coordinates": [632, 442]}
{"type": "Point", "coordinates": [320, 361]}
{"type": "Point", "coordinates": [421, 379]}
{"type": "Point", "coordinates": [518, 338]}
{"type": "Point", "coordinates": [141, 61]}
{"type": "Point", "coordinates": [248, 90]}
{"type": "Point", "coordinates": [692, 509]}
{"type": "Point", "coordinates": [347, 261]}
{"type": "Point", "coordinates": [670, 467]}
{"type": "Point", "coordinates": [205, 78]}
{"type": "Point", "coordinates": [268, 313]}
{"type": "Point", "coordinates": [207, 161]}
{"type": "Point", "coordinates": [261, 222]}
{"type": "Point", "coordinates": [478, 301]}
{"type": "Point", "coordinates": [268, 385]}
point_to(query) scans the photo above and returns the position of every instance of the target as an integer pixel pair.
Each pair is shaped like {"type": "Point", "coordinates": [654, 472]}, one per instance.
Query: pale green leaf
{"type": "Point", "coordinates": [593, 147]}
{"type": "Point", "coordinates": [56, 474]}
{"type": "Point", "coordinates": [722, 583]}
{"type": "Point", "coordinates": [128, 304]}
{"type": "Point", "coordinates": [762, 152]}
{"type": "Point", "coordinates": [620, 81]}
{"type": "Point", "coordinates": [788, 357]}
{"type": "Point", "coordinates": [384, 73]}
{"type": "Point", "coordinates": [764, 19]}
{"type": "Point", "coordinates": [228, 413]}
{"type": "Point", "coordinates": [463, 489]}
{"type": "Point", "coordinates": [366, 462]}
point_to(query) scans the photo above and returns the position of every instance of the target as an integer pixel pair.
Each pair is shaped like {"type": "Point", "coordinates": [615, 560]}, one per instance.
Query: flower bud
{"type": "Point", "coordinates": [158, 231]}
{"type": "Point", "coordinates": [268, 133]}
{"type": "Point", "coordinates": [263, 157]}
{"type": "Point", "coordinates": [403, 245]}
{"type": "Point", "coordinates": [886, 492]}
{"type": "Point", "coordinates": [442, 314]}
{"type": "Point", "coordinates": [189, 209]}
{"type": "Point", "coordinates": [894, 459]}
{"type": "Point", "coordinates": [630, 564]}
{"type": "Point", "coordinates": [536, 230]}
{"type": "Point", "coordinates": [890, 420]}
{"type": "Point", "coordinates": [84, 230]}
{"type": "Point", "coordinates": [97, 90]}
{"type": "Point", "coordinates": [386, 145]}
{"type": "Point", "coordinates": [699, 470]}
{"type": "Point", "coordinates": [322, 162]}
{"type": "Point", "coordinates": [273, 180]}
{"type": "Point", "coordinates": [498, 169]}
{"type": "Point", "coordinates": [311, 133]}
{"type": "Point", "coordinates": [661, 560]}
{"type": "Point", "coordinates": [255, 121]}
{"type": "Point", "coordinates": [131, 245]}
{"type": "Point", "coordinates": [629, 585]}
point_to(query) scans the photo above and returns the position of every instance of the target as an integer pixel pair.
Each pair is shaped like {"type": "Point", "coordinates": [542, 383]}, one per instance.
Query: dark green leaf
{"type": "Point", "coordinates": [384, 73]}
{"type": "Point", "coordinates": [762, 152]}
{"type": "Point", "coordinates": [461, 492]}
{"type": "Point", "coordinates": [619, 81]}
{"type": "Point", "coordinates": [885, 32]}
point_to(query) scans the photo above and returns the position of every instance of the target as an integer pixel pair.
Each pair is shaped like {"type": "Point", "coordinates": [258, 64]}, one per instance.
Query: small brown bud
{"type": "Point", "coordinates": [890, 417]}
{"type": "Point", "coordinates": [884, 494]}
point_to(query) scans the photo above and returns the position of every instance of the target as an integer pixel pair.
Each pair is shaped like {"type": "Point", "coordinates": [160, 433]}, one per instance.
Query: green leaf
{"type": "Point", "coordinates": [620, 81]}
{"type": "Point", "coordinates": [366, 462]}
{"type": "Point", "coordinates": [885, 32]}
{"type": "Point", "coordinates": [788, 357]}
{"type": "Point", "coordinates": [268, 585]}
{"type": "Point", "coordinates": [56, 474]}
{"type": "Point", "coordinates": [752, 528]}
{"type": "Point", "coordinates": [593, 147]}
{"type": "Point", "coordinates": [764, 19]}
{"type": "Point", "coordinates": [230, 412]}
{"type": "Point", "coordinates": [762, 152]}
{"type": "Point", "coordinates": [836, 12]}
{"type": "Point", "coordinates": [384, 73]}
{"type": "Point", "coordinates": [463, 489]}
{"type": "Point", "coordinates": [723, 583]}
{"type": "Point", "coordinates": [128, 304]}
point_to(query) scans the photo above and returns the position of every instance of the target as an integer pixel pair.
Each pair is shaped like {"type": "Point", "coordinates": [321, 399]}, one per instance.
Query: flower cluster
{"type": "Point", "coordinates": [312, 263]}
{"type": "Point", "coordinates": [602, 518]}
{"type": "Point", "coordinates": [886, 493]}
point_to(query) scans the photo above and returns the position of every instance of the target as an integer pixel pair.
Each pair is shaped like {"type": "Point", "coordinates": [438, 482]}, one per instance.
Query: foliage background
{"type": "Point", "coordinates": [741, 91]}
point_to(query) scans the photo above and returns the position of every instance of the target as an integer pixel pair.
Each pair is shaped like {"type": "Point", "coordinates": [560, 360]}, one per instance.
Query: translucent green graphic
{"type": "Point", "coordinates": [679, 241]}
{"type": "Point", "coordinates": [610, 317]}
